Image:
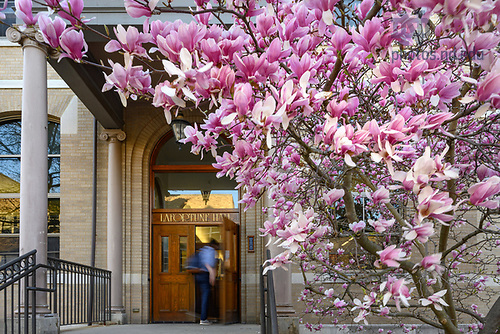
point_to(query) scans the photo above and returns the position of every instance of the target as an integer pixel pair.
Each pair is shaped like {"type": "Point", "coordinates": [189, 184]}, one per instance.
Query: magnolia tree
{"type": "Point", "coordinates": [371, 126]}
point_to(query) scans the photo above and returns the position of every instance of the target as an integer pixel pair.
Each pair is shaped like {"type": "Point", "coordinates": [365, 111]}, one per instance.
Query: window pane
{"type": "Point", "coordinates": [10, 138]}
{"type": "Point", "coordinates": [53, 246]}
{"type": "Point", "coordinates": [54, 177]}
{"type": "Point", "coordinates": [206, 233]}
{"type": "Point", "coordinates": [54, 139]}
{"type": "Point", "coordinates": [182, 252]}
{"type": "Point", "coordinates": [9, 215]}
{"type": "Point", "coordinates": [9, 248]}
{"type": "Point", "coordinates": [194, 191]}
{"type": "Point", "coordinates": [164, 254]}
{"type": "Point", "coordinates": [53, 215]}
{"type": "Point", "coordinates": [10, 169]}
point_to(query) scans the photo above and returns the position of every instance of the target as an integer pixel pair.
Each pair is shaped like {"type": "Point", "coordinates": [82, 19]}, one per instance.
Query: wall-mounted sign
{"type": "Point", "coordinates": [251, 245]}
{"type": "Point", "coordinates": [193, 217]}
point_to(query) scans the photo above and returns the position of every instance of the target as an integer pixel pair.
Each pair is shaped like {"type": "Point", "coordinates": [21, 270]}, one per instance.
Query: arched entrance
{"type": "Point", "coordinates": [190, 206]}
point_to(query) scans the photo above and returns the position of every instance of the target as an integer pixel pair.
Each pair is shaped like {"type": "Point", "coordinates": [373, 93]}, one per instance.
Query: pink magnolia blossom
{"type": "Point", "coordinates": [371, 36]}
{"type": "Point", "coordinates": [489, 88]}
{"type": "Point", "coordinates": [432, 263]}
{"type": "Point", "coordinates": [397, 290]}
{"type": "Point", "coordinates": [137, 9]}
{"type": "Point", "coordinates": [480, 192]}
{"type": "Point", "coordinates": [51, 30]}
{"type": "Point", "coordinates": [298, 229]}
{"type": "Point", "coordinates": [384, 311]}
{"type": "Point", "coordinates": [435, 299]}
{"type": "Point", "coordinates": [128, 80]}
{"type": "Point", "coordinates": [278, 261]}
{"type": "Point", "coordinates": [339, 303]}
{"type": "Point", "coordinates": [441, 91]}
{"type": "Point", "coordinates": [72, 10]}
{"type": "Point", "coordinates": [204, 18]}
{"type": "Point", "coordinates": [340, 37]}
{"type": "Point", "coordinates": [434, 204]}
{"type": "Point", "coordinates": [129, 40]}
{"type": "Point", "coordinates": [385, 72]}
{"type": "Point", "coordinates": [390, 257]}
{"type": "Point", "coordinates": [381, 225]}
{"type": "Point", "coordinates": [186, 74]}
{"type": "Point", "coordinates": [52, 3]}
{"type": "Point", "coordinates": [333, 195]}
{"type": "Point", "coordinates": [2, 15]}
{"type": "Point", "coordinates": [381, 195]}
{"type": "Point", "coordinates": [73, 44]}
{"type": "Point", "coordinates": [420, 232]}
{"type": "Point", "coordinates": [435, 121]}
{"type": "Point", "coordinates": [357, 226]}
{"type": "Point", "coordinates": [363, 8]}
{"type": "Point", "coordinates": [485, 172]}
{"type": "Point", "coordinates": [363, 313]}
{"type": "Point", "coordinates": [265, 24]}
{"type": "Point", "coordinates": [329, 293]}
{"type": "Point", "coordinates": [24, 12]}
{"type": "Point", "coordinates": [264, 115]}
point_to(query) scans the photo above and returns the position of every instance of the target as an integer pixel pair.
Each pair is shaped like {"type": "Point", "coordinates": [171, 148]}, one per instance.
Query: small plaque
{"type": "Point", "coordinates": [251, 245]}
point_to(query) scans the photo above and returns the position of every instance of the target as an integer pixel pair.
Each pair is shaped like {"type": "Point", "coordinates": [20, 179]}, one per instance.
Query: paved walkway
{"type": "Point", "coordinates": [163, 328]}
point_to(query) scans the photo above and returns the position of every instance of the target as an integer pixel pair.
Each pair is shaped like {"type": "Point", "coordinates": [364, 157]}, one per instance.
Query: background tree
{"type": "Point", "coordinates": [372, 123]}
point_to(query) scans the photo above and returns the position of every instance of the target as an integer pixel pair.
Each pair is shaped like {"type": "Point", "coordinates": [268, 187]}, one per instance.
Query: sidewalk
{"type": "Point", "coordinates": [163, 328]}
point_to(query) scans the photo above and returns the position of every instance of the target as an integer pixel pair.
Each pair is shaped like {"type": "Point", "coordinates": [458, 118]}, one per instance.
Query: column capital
{"type": "Point", "coordinates": [112, 135]}
{"type": "Point", "coordinates": [29, 37]}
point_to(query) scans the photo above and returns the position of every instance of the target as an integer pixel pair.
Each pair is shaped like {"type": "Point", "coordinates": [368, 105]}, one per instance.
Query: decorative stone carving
{"type": "Point", "coordinates": [28, 37]}
{"type": "Point", "coordinates": [13, 35]}
{"type": "Point", "coordinates": [112, 135]}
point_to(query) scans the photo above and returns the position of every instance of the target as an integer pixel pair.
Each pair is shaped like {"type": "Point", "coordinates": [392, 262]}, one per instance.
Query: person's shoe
{"type": "Point", "coordinates": [205, 322]}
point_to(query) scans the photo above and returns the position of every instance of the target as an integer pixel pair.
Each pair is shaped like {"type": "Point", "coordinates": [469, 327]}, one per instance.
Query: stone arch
{"type": "Point", "coordinates": [143, 132]}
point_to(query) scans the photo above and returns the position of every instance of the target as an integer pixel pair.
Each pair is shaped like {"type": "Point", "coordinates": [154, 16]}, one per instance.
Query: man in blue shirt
{"type": "Point", "coordinates": [206, 278]}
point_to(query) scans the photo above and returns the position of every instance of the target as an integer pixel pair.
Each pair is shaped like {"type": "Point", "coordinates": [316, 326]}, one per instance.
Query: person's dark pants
{"type": "Point", "coordinates": [203, 281]}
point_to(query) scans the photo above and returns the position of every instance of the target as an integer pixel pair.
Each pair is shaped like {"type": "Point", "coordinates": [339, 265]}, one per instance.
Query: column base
{"type": "Point", "coordinates": [118, 317]}
{"type": "Point", "coordinates": [288, 325]}
{"type": "Point", "coordinates": [45, 324]}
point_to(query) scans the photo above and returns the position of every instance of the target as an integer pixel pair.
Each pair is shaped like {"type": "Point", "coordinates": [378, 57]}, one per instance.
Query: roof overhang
{"type": "Point", "coordinates": [86, 82]}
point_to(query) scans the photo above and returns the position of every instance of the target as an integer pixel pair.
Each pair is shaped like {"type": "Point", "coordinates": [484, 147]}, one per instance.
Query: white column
{"type": "Point", "coordinates": [115, 228]}
{"type": "Point", "coordinates": [34, 165]}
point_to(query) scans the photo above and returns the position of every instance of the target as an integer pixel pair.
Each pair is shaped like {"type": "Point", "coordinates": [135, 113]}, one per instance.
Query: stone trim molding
{"type": "Point", "coordinates": [112, 135]}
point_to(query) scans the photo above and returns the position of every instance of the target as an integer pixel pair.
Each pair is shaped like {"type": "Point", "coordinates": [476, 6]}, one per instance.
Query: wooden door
{"type": "Point", "coordinates": [229, 293]}
{"type": "Point", "coordinates": [172, 287]}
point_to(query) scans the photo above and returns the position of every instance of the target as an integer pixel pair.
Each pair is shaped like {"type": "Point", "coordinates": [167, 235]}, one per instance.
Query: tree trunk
{"type": "Point", "coordinates": [492, 320]}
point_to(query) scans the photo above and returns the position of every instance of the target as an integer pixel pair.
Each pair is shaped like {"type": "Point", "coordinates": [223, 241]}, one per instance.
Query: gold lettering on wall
{"type": "Point", "coordinates": [176, 217]}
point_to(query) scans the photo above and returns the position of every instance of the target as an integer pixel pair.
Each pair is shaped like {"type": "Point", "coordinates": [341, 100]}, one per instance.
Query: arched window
{"type": "Point", "coordinates": [183, 180]}
{"type": "Point", "coordinates": [10, 173]}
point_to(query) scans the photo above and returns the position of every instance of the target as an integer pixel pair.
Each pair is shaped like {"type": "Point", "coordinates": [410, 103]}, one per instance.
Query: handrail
{"type": "Point", "coordinates": [10, 271]}
{"type": "Point", "coordinates": [71, 288]}
{"type": "Point", "coordinates": [82, 293]}
{"type": "Point", "coordinates": [267, 294]}
{"type": "Point", "coordinates": [18, 271]}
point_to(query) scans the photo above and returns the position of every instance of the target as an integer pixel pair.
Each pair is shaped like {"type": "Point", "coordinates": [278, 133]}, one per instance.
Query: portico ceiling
{"type": "Point", "coordinates": [86, 81]}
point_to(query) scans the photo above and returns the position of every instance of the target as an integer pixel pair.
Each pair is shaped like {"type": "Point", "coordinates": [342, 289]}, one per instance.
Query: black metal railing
{"type": "Point", "coordinates": [82, 294]}
{"type": "Point", "coordinates": [17, 293]}
{"type": "Point", "coordinates": [76, 293]}
{"type": "Point", "coordinates": [268, 315]}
